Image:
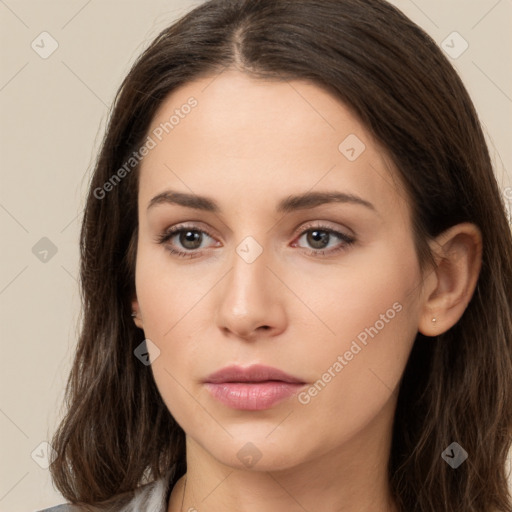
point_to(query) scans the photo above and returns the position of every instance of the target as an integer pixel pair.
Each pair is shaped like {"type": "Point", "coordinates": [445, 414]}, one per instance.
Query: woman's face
{"type": "Point", "coordinates": [296, 253]}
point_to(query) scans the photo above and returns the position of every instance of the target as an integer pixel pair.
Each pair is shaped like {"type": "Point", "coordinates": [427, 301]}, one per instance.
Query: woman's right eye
{"type": "Point", "coordinates": [187, 240]}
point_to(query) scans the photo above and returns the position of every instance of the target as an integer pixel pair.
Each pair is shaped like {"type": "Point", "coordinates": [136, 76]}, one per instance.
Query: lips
{"type": "Point", "coordinates": [253, 388]}
{"type": "Point", "coordinates": [254, 373]}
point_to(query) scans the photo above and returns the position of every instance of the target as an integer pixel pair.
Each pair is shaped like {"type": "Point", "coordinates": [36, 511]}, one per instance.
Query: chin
{"type": "Point", "coordinates": [255, 451]}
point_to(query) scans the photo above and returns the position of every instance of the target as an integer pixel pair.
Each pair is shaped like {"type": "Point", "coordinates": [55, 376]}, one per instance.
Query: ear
{"type": "Point", "coordinates": [136, 313]}
{"type": "Point", "coordinates": [449, 286]}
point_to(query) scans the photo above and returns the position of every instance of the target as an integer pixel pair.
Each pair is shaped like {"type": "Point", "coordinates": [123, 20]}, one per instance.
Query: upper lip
{"type": "Point", "coordinates": [253, 373]}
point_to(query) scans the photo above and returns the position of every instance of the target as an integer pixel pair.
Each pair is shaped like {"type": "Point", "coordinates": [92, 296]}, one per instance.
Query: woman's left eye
{"type": "Point", "coordinates": [319, 239]}
{"type": "Point", "coordinates": [191, 239]}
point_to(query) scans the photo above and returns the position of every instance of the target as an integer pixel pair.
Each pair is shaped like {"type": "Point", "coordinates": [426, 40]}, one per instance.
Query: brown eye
{"type": "Point", "coordinates": [319, 238]}
{"type": "Point", "coordinates": [190, 239]}
{"type": "Point", "coordinates": [184, 241]}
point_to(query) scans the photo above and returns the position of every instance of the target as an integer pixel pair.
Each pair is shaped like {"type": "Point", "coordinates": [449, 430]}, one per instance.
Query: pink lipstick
{"type": "Point", "coordinates": [252, 388]}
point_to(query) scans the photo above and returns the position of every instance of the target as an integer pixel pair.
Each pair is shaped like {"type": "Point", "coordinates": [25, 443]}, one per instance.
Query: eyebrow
{"type": "Point", "coordinates": [286, 205]}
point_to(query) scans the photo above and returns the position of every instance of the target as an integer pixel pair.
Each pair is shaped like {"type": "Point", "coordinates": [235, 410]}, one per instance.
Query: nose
{"type": "Point", "coordinates": [250, 301]}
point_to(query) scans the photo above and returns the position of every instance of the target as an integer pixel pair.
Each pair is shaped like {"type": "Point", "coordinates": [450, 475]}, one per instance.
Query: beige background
{"type": "Point", "coordinates": [53, 112]}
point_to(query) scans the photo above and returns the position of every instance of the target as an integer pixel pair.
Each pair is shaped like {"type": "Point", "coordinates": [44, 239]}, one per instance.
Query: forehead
{"type": "Point", "coordinates": [255, 139]}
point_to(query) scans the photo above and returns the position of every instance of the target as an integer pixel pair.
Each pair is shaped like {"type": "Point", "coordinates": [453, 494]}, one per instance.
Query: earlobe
{"type": "Point", "coordinates": [458, 255]}
{"type": "Point", "coordinates": [136, 313]}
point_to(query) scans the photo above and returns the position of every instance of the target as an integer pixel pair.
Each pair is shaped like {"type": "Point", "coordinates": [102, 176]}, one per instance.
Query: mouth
{"type": "Point", "coordinates": [252, 388]}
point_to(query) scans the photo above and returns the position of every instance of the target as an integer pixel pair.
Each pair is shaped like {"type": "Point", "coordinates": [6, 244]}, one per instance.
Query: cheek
{"type": "Point", "coordinates": [367, 333]}
{"type": "Point", "coordinates": [366, 288]}
{"type": "Point", "coordinates": [166, 292]}
{"type": "Point", "coordinates": [168, 306]}
{"type": "Point", "coordinates": [171, 301]}
{"type": "Point", "coordinates": [358, 376]}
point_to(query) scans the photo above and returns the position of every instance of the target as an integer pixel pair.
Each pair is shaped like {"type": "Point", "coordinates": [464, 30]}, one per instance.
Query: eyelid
{"type": "Point", "coordinates": [177, 228]}
{"type": "Point", "coordinates": [325, 225]}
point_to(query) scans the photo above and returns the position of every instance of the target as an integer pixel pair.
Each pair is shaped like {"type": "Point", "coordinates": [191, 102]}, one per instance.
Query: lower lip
{"type": "Point", "coordinates": [255, 396]}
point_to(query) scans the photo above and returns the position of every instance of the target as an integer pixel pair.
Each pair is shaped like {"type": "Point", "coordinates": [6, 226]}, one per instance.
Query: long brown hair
{"type": "Point", "coordinates": [117, 432]}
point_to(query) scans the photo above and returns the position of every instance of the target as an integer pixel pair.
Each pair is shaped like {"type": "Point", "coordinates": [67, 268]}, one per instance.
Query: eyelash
{"type": "Point", "coordinates": [164, 237]}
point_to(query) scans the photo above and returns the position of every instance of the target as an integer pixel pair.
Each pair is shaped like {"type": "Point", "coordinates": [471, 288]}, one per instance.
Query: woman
{"type": "Point", "coordinates": [296, 271]}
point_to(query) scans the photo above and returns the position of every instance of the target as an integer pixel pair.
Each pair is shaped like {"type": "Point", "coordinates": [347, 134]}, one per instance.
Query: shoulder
{"type": "Point", "coordinates": [151, 497]}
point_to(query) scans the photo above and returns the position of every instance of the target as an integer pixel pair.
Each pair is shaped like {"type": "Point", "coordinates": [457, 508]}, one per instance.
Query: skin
{"type": "Point", "coordinates": [247, 145]}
